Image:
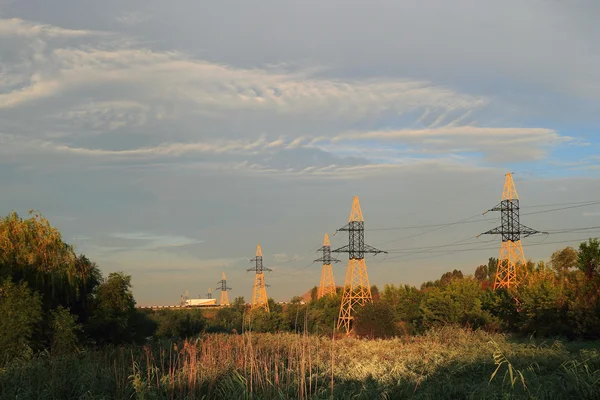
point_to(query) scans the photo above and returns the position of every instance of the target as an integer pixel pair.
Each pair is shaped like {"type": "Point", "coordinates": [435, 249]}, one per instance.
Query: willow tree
{"type": "Point", "coordinates": [33, 251]}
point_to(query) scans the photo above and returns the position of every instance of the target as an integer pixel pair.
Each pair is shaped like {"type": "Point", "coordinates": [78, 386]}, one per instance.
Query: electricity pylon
{"type": "Point", "coordinates": [512, 257]}
{"type": "Point", "coordinates": [327, 285]}
{"type": "Point", "coordinates": [209, 294]}
{"type": "Point", "coordinates": [223, 288]}
{"type": "Point", "coordinates": [259, 294]}
{"type": "Point", "coordinates": [357, 290]}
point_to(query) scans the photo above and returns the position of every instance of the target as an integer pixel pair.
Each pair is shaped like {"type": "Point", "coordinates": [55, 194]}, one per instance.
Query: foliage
{"type": "Point", "coordinates": [113, 318]}
{"type": "Point", "coordinates": [375, 321]}
{"type": "Point", "coordinates": [64, 330]}
{"type": "Point", "coordinates": [457, 303]}
{"type": "Point", "coordinates": [20, 314]}
{"type": "Point", "coordinates": [178, 324]}
{"type": "Point", "coordinates": [445, 363]}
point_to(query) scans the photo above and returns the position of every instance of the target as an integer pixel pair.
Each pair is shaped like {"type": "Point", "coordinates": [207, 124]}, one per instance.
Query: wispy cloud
{"type": "Point", "coordinates": [24, 28]}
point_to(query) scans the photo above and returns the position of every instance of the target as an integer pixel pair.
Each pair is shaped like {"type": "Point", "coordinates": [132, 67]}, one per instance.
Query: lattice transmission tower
{"type": "Point", "coordinates": [259, 294]}
{"type": "Point", "coordinates": [223, 288]}
{"type": "Point", "coordinates": [327, 284]}
{"type": "Point", "coordinates": [511, 263]}
{"type": "Point", "coordinates": [209, 294]}
{"type": "Point", "coordinates": [357, 290]}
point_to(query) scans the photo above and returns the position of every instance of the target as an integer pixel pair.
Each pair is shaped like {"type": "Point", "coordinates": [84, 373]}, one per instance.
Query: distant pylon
{"type": "Point", "coordinates": [327, 285]}
{"type": "Point", "coordinates": [357, 290]}
{"type": "Point", "coordinates": [223, 288]}
{"type": "Point", "coordinates": [259, 294]}
{"type": "Point", "coordinates": [512, 257]}
{"type": "Point", "coordinates": [209, 294]}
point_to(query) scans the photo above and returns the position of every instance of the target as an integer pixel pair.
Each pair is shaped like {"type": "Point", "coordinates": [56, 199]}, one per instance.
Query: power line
{"type": "Point", "coordinates": [562, 208]}
{"type": "Point", "coordinates": [570, 205]}
{"type": "Point", "coordinates": [441, 253]}
{"type": "Point", "coordinates": [561, 204]}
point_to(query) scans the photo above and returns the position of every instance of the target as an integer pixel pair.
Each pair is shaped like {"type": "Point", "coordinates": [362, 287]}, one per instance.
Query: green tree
{"type": "Point", "coordinates": [543, 304]}
{"type": "Point", "coordinates": [64, 331]}
{"type": "Point", "coordinates": [375, 320]}
{"type": "Point", "coordinates": [375, 293]}
{"type": "Point", "coordinates": [565, 260]}
{"type": "Point", "coordinates": [115, 314]}
{"type": "Point", "coordinates": [481, 273]}
{"type": "Point", "coordinates": [405, 301]}
{"type": "Point", "coordinates": [589, 258]}
{"type": "Point", "coordinates": [456, 303]}
{"type": "Point", "coordinates": [21, 313]}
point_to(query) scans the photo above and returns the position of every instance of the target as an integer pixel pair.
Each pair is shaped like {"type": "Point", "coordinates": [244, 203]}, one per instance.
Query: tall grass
{"type": "Point", "coordinates": [446, 363]}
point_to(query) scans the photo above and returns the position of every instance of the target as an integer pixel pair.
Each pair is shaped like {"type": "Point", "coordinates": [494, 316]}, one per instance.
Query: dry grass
{"type": "Point", "coordinates": [448, 363]}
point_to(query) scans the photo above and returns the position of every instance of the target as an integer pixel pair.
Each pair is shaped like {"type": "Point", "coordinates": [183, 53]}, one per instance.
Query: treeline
{"type": "Point", "coordinates": [53, 300]}
{"type": "Point", "coordinates": [561, 298]}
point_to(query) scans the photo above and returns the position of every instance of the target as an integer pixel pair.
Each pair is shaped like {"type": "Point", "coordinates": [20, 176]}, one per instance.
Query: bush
{"type": "Point", "coordinates": [64, 331]}
{"type": "Point", "coordinates": [375, 320]}
{"type": "Point", "coordinates": [20, 314]}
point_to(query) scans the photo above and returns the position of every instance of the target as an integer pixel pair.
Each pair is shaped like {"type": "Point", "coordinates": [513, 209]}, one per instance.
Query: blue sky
{"type": "Point", "coordinates": [167, 139]}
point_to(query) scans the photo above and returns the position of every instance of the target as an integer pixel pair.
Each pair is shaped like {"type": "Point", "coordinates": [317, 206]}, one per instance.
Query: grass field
{"type": "Point", "coordinates": [449, 363]}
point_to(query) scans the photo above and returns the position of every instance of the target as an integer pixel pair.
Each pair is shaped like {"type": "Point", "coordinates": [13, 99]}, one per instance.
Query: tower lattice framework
{"type": "Point", "coordinates": [511, 263]}
{"type": "Point", "coordinates": [223, 288]}
{"type": "Point", "coordinates": [259, 293]}
{"type": "Point", "coordinates": [209, 293]}
{"type": "Point", "coordinates": [327, 284]}
{"type": "Point", "coordinates": [357, 290]}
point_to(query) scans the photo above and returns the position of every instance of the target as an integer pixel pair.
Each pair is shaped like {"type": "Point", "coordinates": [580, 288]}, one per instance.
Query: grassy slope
{"type": "Point", "coordinates": [446, 364]}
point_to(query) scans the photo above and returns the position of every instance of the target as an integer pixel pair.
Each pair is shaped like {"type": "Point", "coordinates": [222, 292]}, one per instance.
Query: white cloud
{"type": "Point", "coordinates": [168, 104]}
{"type": "Point", "coordinates": [20, 27]}
{"type": "Point", "coordinates": [495, 142]}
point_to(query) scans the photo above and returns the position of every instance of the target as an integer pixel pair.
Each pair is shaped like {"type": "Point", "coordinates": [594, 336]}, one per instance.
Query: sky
{"type": "Point", "coordinates": [167, 139]}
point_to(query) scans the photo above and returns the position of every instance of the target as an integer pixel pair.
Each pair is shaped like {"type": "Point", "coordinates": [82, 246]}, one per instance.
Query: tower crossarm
{"type": "Point", "coordinates": [327, 260]}
{"type": "Point", "coordinates": [521, 231]}
{"type": "Point", "coordinates": [343, 249]}
{"type": "Point", "coordinates": [222, 286]}
{"type": "Point", "coordinates": [373, 250]}
{"type": "Point", "coordinates": [527, 231]}
{"type": "Point", "coordinates": [505, 205]}
{"type": "Point", "coordinates": [259, 269]}
{"type": "Point", "coordinates": [367, 249]}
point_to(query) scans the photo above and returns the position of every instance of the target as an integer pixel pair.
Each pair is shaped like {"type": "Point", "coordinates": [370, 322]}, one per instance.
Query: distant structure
{"type": "Point", "coordinates": [259, 294]}
{"type": "Point", "coordinates": [209, 294]}
{"type": "Point", "coordinates": [184, 298]}
{"type": "Point", "coordinates": [512, 256]}
{"type": "Point", "coordinates": [357, 290]}
{"type": "Point", "coordinates": [327, 284]}
{"type": "Point", "coordinates": [223, 288]}
{"type": "Point", "coordinates": [200, 303]}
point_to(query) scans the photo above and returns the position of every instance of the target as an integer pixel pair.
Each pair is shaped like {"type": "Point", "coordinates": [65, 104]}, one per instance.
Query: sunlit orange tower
{"type": "Point", "coordinates": [223, 288]}
{"type": "Point", "coordinates": [357, 290]}
{"type": "Point", "coordinates": [327, 285]}
{"type": "Point", "coordinates": [259, 294]}
{"type": "Point", "coordinates": [511, 263]}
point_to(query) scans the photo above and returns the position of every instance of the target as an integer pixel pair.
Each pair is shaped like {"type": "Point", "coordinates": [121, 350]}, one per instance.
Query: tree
{"type": "Point", "coordinates": [313, 293]}
{"type": "Point", "coordinates": [481, 273]}
{"type": "Point", "coordinates": [543, 304]}
{"type": "Point", "coordinates": [64, 331]}
{"type": "Point", "coordinates": [456, 303]}
{"type": "Point", "coordinates": [115, 313]}
{"type": "Point", "coordinates": [588, 259]}
{"type": "Point", "coordinates": [20, 314]}
{"type": "Point", "coordinates": [492, 266]}
{"type": "Point", "coordinates": [405, 302]}
{"type": "Point", "coordinates": [375, 293]}
{"type": "Point", "coordinates": [565, 260]}
{"type": "Point", "coordinates": [375, 320]}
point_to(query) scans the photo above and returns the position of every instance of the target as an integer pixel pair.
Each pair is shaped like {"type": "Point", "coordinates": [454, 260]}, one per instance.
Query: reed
{"type": "Point", "coordinates": [446, 363]}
